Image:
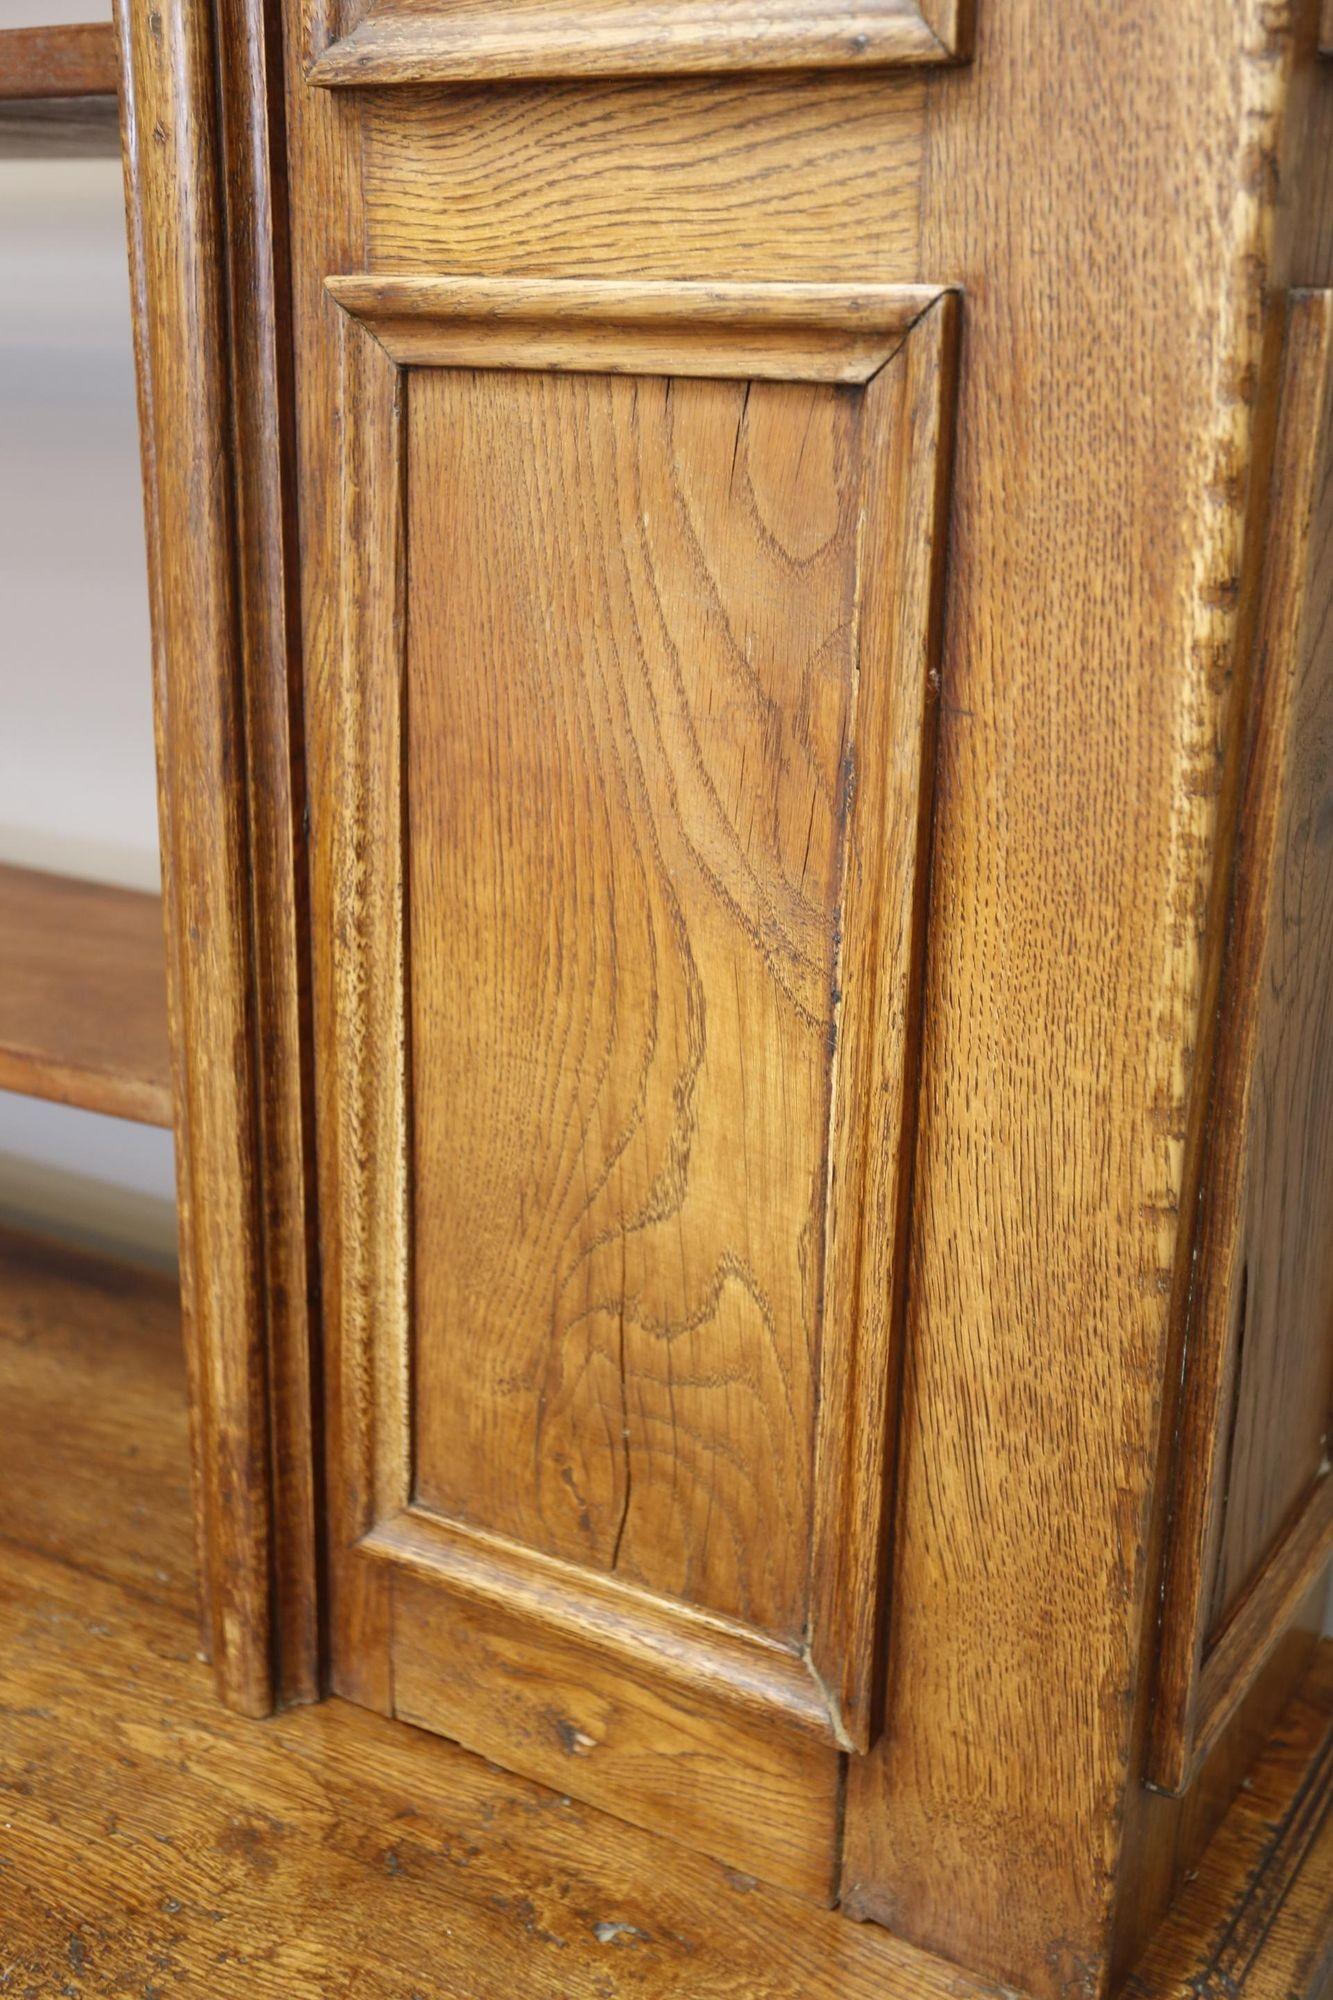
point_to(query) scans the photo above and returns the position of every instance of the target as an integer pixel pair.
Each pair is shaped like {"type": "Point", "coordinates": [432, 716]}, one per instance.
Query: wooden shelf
{"type": "Point", "coordinates": [58, 91]}
{"type": "Point", "coordinates": [83, 1012]}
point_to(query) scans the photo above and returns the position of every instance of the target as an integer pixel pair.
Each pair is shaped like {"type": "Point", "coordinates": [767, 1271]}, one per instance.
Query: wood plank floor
{"type": "Point", "coordinates": [151, 1844]}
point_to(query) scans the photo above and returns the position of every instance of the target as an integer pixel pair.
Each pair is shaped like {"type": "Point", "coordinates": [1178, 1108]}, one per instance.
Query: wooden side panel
{"type": "Point", "coordinates": [624, 773]}
{"type": "Point", "coordinates": [1253, 1519]}
{"type": "Point", "coordinates": [631, 666]}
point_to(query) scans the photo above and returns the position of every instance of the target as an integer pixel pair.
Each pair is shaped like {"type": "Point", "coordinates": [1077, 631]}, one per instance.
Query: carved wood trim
{"type": "Point", "coordinates": [393, 43]}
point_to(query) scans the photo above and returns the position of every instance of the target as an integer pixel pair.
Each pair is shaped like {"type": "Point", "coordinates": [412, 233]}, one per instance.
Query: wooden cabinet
{"type": "Point", "coordinates": [743, 611]}
{"type": "Point", "coordinates": [619, 775]}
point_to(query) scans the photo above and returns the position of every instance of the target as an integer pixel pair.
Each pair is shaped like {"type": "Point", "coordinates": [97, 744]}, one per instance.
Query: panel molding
{"type": "Point", "coordinates": [1205, 1670]}
{"type": "Point", "coordinates": [823, 1689]}
{"type": "Point", "coordinates": [390, 42]}
{"type": "Point", "coordinates": [761, 332]}
{"type": "Point", "coordinates": [695, 1649]}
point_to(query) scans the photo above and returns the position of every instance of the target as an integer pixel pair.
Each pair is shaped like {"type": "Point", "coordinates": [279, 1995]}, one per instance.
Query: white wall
{"type": "Point", "coordinates": [76, 749]}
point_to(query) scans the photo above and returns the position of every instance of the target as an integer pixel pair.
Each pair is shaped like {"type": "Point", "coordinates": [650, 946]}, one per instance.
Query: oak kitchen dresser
{"type": "Point", "coordinates": [743, 609]}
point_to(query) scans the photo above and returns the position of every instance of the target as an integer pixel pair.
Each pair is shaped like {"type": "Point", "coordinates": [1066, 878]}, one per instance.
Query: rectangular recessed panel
{"type": "Point", "coordinates": [629, 702]}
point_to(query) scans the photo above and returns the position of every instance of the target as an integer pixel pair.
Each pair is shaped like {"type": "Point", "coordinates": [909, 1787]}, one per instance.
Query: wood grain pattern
{"type": "Point", "coordinates": [1259, 1365]}
{"type": "Point", "coordinates": [262, 415]}
{"type": "Point", "coordinates": [764, 333]}
{"type": "Point", "coordinates": [621, 1013]}
{"type": "Point", "coordinates": [766, 180]}
{"type": "Point", "coordinates": [92, 1375]}
{"type": "Point", "coordinates": [59, 62]}
{"type": "Point", "coordinates": [83, 1001]}
{"type": "Point", "coordinates": [177, 273]}
{"type": "Point", "coordinates": [1089, 727]}
{"type": "Point", "coordinates": [1326, 28]}
{"type": "Point", "coordinates": [759, 942]}
{"type": "Point", "coordinates": [439, 41]}
{"type": "Point", "coordinates": [151, 1836]}
{"type": "Point", "coordinates": [573, 1714]}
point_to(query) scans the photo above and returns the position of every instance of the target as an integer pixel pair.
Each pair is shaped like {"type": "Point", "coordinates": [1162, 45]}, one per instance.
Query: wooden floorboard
{"type": "Point", "coordinates": [151, 1843]}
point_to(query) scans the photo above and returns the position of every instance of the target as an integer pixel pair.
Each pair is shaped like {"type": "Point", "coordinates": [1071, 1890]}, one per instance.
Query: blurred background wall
{"type": "Point", "coordinates": [77, 787]}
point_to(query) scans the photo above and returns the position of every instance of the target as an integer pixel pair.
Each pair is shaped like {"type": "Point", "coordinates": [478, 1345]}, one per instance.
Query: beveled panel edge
{"type": "Point", "coordinates": [910, 412]}
{"type": "Point", "coordinates": [1234, 1658]}
{"type": "Point", "coordinates": [711, 1656]}
{"type": "Point", "coordinates": [600, 38]}
{"type": "Point", "coordinates": [777, 332]}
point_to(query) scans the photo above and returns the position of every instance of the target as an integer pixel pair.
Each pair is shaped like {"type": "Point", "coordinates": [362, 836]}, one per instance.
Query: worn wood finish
{"type": "Point", "coordinates": [415, 1866]}
{"type": "Point", "coordinates": [83, 1003]}
{"type": "Point", "coordinates": [1089, 740]}
{"type": "Point", "coordinates": [711, 1307]}
{"type": "Point", "coordinates": [59, 62]}
{"type": "Point", "coordinates": [1259, 1359]}
{"type": "Point", "coordinates": [439, 41]}
{"type": "Point", "coordinates": [1112, 190]}
{"type": "Point", "coordinates": [1326, 29]}
{"type": "Point", "coordinates": [184, 1853]}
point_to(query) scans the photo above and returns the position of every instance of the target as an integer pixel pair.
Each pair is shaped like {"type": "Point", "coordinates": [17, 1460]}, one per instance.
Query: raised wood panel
{"type": "Point", "coordinates": [438, 41]}
{"type": "Point", "coordinates": [766, 178]}
{"type": "Point", "coordinates": [632, 643]}
{"type": "Point", "coordinates": [1252, 1522]}
{"type": "Point", "coordinates": [625, 832]}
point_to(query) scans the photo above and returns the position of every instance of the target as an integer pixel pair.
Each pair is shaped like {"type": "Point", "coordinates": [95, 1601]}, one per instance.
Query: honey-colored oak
{"type": "Point", "coordinates": [851, 1504]}
{"type": "Point", "coordinates": [438, 41]}
{"type": "Point", "coordinates": [150, 1836]}
{"type": "Point", "coordinates": [83, 1001]}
